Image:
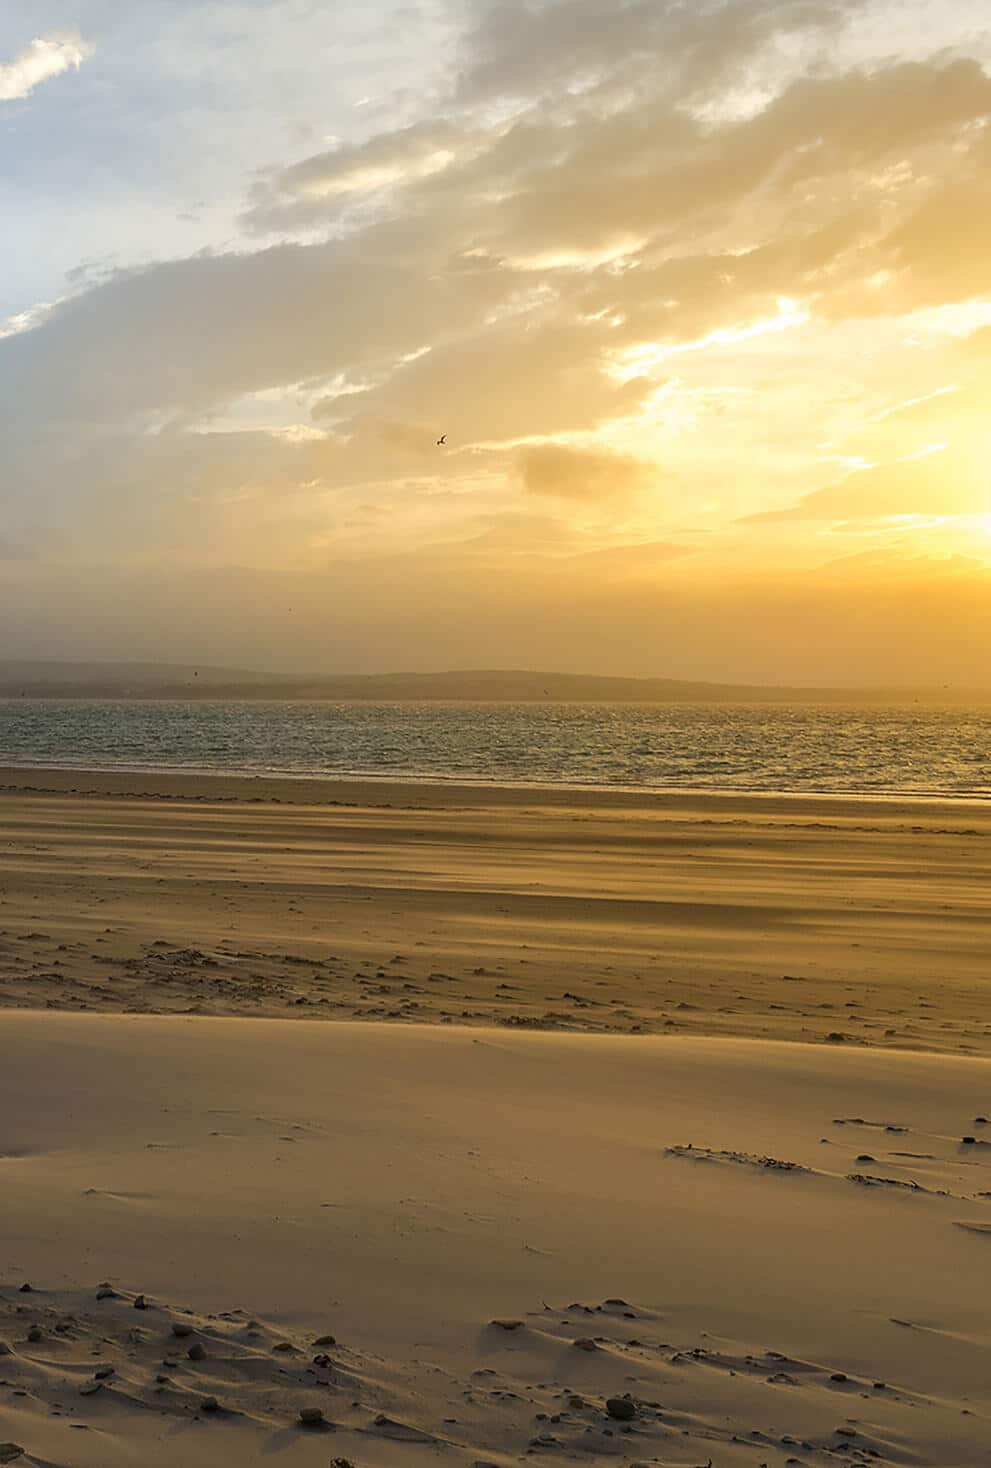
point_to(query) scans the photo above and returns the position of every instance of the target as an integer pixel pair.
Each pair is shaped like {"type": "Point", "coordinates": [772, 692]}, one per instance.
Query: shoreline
{"type": "Point", "coordinates": [369, 790]}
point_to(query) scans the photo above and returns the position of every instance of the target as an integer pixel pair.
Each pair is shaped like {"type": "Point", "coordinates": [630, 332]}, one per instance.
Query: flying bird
{"type": "Point", "coordinates": [442, 440]}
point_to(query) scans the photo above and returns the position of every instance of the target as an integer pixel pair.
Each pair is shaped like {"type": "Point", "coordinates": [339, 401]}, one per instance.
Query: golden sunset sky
{"type": "Point", "coordinates": [699, 292]}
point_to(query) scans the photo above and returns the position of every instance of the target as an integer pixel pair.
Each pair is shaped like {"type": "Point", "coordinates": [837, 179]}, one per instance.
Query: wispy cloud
{"type": "Point", "coordinates": [46, 57]}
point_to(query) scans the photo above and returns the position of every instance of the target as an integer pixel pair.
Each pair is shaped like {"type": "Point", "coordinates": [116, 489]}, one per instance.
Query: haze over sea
{"type": "Point", "coordinates": [912, 750]}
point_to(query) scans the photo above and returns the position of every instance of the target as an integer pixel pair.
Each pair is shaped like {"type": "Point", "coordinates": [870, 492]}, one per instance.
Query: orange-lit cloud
{"type": "Point", "coordinates": [568, 473]}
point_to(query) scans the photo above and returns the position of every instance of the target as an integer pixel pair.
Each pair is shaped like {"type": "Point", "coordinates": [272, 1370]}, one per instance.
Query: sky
{"type": "Point", "coordinates": [699, 292]}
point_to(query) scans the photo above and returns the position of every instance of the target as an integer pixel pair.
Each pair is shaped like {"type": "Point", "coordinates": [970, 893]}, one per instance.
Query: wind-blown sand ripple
{"type": "Point", "coordinates": [401, 1189]}
{"type": "Point", "coordinates": [853, 923]}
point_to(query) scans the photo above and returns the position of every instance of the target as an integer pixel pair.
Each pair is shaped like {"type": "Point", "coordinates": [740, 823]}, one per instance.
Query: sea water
{"type": "Point", "coordinates": [897, 750]}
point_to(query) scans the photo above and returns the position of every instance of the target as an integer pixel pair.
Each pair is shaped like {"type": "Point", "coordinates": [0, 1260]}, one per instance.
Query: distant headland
{"type": "Point", "coordinates": [39, 679]}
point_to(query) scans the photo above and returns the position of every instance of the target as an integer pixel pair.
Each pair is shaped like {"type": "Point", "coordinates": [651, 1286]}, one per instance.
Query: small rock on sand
{"type": "Point", "coordinates": [182, 1328]}
{"type": "Point", "coordinates": [10, 1452]}
{"type": "Point", "coordinates": [621, 1409]}
{"type": "Point", "coordinates": [209, 1404]}
{"type": "Point", "coordinates": [90, 1388]}
{"type": "Point", "coordinates": [325, 1340]}
{"type": "Point", "coordinates": [140, 1303]}
{"type": "Point", "coordinates": [585, 1344]}
{"type": "Point", "coordinates": [311, 1416]}
{"type": "Point", "coordinates": [508, 1324]}
{"type": "Point", "coordinates": [197, 1351]}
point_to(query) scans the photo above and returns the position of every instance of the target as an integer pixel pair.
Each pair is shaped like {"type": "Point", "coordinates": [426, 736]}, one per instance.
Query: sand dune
{"type": "Point", "coordinates": [266, 1186]}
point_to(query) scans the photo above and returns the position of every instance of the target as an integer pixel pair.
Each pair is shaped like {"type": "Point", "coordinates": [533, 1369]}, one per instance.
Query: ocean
{"type": "Point", "coordinates": [899, 750]}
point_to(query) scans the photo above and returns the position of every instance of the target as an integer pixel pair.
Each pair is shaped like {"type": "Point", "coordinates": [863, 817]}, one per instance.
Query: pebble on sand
{"type": "Point", "coordinates": [140, 1303]}
{"type": "Point", "coordinates": [311, 1416]}
{"type": "Point", "coordinates": [197, 1351]}
{"type": "Point", "coordinates": [508, 1324]}
{"type": "Point", "coordinates": [325, 1340]}
{"type": "Point", "coordinates": [621, 1409]}
{"type": "Point", "coordinates": [209, 1404]}
{"type": "Point", "coordinates": [586, 1344]}
{"type": "Point", "coordinates": [10, 1452]}
{"type": "Point", "coordinates": [182, 1328]}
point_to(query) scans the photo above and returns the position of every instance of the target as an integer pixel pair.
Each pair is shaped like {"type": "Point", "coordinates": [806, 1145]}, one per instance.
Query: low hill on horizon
{"type": "Point", "coordinates": [27, 679]}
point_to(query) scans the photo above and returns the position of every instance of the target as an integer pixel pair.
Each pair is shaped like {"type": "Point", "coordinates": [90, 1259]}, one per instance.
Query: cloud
{"type": "Point", "coordinates": [191, 334]}
{"type": "Point", "coordinates": [44, 58]}
{"type": "Point", "coordinates": [329, 182]}
{"type": "Point", "coordinates": [676, 227]}
{"type": "Point", "coordinates": [520, 345]}
{"type": "Point", "coordinates": [932, 484]}
{"type": "Point", "coordinates": [527, 48]}
{"type": "Point", "coordinates": [561, 472]}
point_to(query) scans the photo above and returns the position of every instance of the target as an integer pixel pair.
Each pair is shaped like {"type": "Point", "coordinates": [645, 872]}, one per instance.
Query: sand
{"type": "Point", "coordinates": [401, 1188]}
{"type": "Point", "coordinates": [780, 918]}
{"type": "Point", "coordinates": [758, 1244]}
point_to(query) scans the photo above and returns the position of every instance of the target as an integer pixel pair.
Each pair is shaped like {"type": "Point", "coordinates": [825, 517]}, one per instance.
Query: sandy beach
{"type": "Point", "coordinates": [687, 1093]}
{"type": "Point", "coordinates": [856, 922]}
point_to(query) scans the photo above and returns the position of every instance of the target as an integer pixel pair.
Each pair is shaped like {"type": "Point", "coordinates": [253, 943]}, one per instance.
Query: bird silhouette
{"type": "Point", "coordinates": [442, 440]}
